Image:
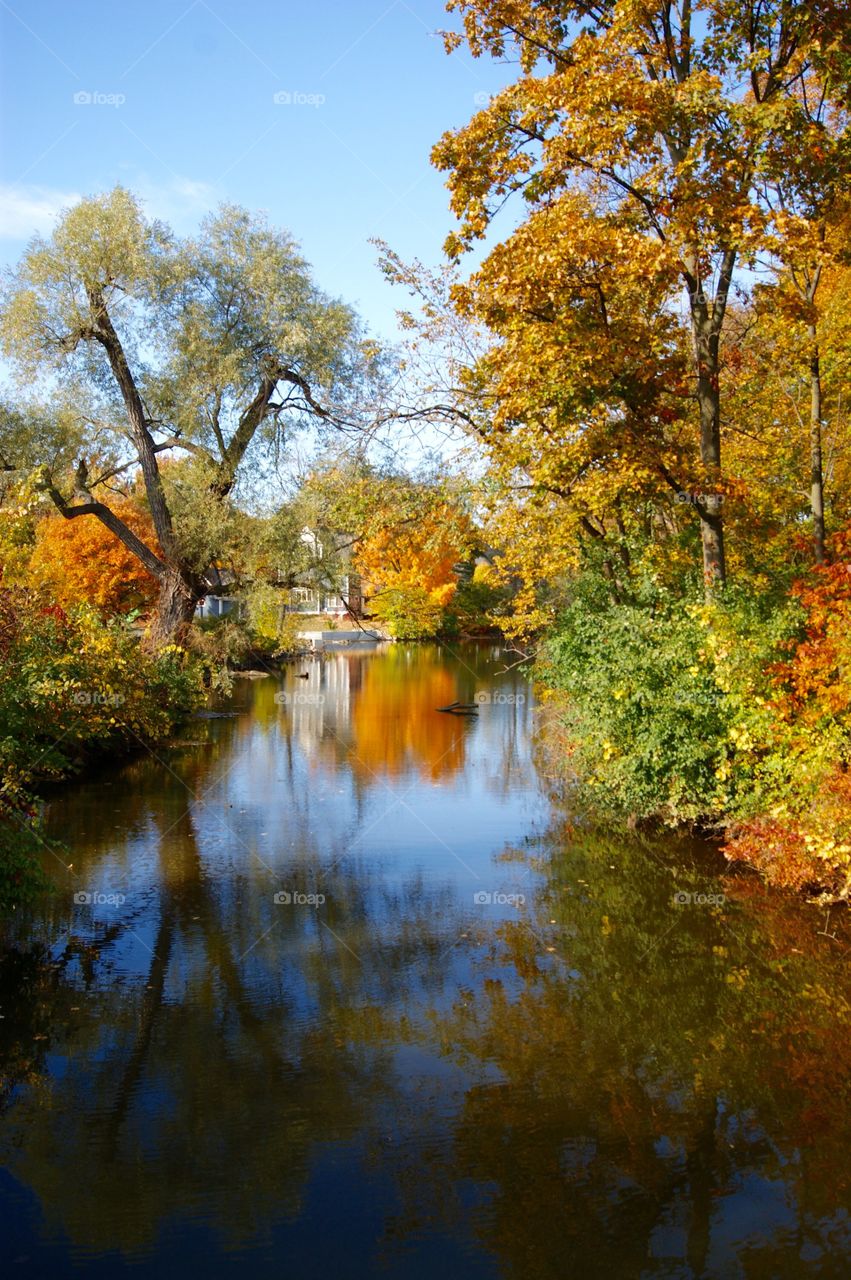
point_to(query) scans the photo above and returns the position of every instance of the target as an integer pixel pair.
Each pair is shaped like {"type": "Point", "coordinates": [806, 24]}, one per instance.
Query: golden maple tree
{"type": "Point", "coordinates": [409, 568]}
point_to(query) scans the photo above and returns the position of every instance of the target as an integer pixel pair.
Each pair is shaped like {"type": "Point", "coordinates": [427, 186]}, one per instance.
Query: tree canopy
{"type": "Point", "coordinates": [219, 345]}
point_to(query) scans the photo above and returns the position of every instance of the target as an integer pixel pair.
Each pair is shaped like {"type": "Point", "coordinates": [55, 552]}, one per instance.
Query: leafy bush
{"type": "Point", "coordinates": [218, 644]}
{"type": "Point", "coordinates": [797, 831]}
{"type": "Point", "coordinates": [74, 687]}
{"type": "Point", "coordinates": [664, 705]}
{"type": "Point", "coordinates": [409, 612]}
{"type": "Point", "coordinates": [269, 625]}
{"type": "Point", "coordinates": [479, 602]}
{"type": "Point", "coordinates": [736, 714]}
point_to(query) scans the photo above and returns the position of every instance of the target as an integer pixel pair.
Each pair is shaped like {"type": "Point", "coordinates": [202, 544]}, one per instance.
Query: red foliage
{"type": "Point", "coordinates": [817, 678]}
{"type": "Point", "coordinates": [807, 846]}
{"type": "Point", "coordinates": [777, 850]}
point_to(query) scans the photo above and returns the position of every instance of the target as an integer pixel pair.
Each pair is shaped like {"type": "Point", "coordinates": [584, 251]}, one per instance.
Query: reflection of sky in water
{"type": "Point", "coordinates": [402, 1079]}
{"type": "Point", "coordinates": [376, 767]}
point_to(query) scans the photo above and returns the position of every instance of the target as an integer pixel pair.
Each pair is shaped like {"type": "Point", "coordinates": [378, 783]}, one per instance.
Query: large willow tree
{"type": "Point", "coordinates": [144, 344]}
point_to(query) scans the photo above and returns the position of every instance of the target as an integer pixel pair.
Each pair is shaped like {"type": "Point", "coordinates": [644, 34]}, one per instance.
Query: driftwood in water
{"type": "Point", "coordinates": [461, 709]}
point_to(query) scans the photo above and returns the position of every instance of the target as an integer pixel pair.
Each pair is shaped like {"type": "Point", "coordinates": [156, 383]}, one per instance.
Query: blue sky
{"type": "Point", "coordinates": [183, 110]}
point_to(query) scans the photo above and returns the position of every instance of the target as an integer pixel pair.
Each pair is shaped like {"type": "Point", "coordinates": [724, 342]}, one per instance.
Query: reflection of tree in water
{"type": "Point", "coordinates": [622, 1094]}
{"type": "Point", "coordinates": [235, 1051]}
{"type": "Point", "coordinates": [395, 724]}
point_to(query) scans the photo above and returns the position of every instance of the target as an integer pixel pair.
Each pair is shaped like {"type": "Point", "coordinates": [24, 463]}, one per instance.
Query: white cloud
{"type": "Point", "coordinates": [181, 202]}
{"type": "Point", "coordinates": [24, 210]}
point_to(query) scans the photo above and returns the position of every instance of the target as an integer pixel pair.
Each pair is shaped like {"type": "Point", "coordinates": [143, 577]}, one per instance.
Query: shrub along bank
{"type": "Point", "coordinates": [733, 716]}
{"type": "Point", "coordinates": [75, 687]}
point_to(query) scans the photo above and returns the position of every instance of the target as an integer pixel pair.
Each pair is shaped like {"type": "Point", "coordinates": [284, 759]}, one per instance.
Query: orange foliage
{"type": "Point", "coordinates": [807, 851]}
{"type": "Point", "coordinates": [420, 554]}
{"type": "Point", "coordinates": [81, 560]}
{"type": "Point", "coordinates": [818, 676]}
{"type": "Point", "coordinates": [806, 840]}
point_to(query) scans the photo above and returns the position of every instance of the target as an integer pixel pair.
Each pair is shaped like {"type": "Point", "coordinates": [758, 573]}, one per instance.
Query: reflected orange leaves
{"type": "Point", "coordinates": [395, 722]}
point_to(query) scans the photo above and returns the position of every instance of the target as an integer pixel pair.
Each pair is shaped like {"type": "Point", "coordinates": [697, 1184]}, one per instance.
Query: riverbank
{"type": "Point", "coordinates": [732, 717]}
{"type": "Point", "coordinates": [76, 689]}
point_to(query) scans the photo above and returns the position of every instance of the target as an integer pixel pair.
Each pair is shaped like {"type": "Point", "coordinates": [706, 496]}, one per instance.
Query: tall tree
{"type": "Point", "coordinates": [805, 178]}
{"type": "Point", "coordinates": [664, 116]}
{"type": "Point", "coordinates": [212, 345]}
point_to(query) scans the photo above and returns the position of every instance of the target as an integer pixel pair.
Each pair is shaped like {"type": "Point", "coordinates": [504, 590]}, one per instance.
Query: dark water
{"type": "Point", "coordinates": [499, 1047]}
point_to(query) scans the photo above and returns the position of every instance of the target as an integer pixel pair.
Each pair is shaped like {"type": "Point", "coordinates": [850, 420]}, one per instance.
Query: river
{"type": "Point", "coordinates": [332, 987]}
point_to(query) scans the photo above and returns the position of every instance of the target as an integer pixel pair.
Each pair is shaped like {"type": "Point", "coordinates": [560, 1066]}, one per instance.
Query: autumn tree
{"type": "Point", "coordinates": [213, 345]}
{"type": "Point", "coordinates": [82, 560]}
{"type": "Point", "coordinates": [405, 535]}
{"type": "Point", "coordinates": [786, 379]}
{"type": "Point", "coordinates": [657, 122]}
{"type": "Point", "coordinates": [410, 569]}
{"type": "Point", "coordinates": [811, 243]}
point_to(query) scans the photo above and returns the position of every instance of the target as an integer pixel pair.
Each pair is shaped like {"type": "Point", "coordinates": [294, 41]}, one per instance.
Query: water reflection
{"type": "Point", "coordinates": [403, 1079]}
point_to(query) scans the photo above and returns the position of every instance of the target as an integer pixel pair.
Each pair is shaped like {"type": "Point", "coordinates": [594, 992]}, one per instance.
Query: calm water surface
{"type": "Point", "coordinates": [351, 997]}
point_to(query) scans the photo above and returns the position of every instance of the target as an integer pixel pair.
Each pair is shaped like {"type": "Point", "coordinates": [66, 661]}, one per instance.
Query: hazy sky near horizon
{"type": "Point", "coordinates": [323, 115]}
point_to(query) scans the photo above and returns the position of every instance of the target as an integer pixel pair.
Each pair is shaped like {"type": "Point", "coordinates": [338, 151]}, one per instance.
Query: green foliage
{"type": "Point", "coordinates": [664, 704]}
{"type": "Point", "coordinates": [75, 687]}
{"type": "Point", "coordinates": [477, 604]}
{"type": "Point", "coordinates": [144, 345]}
{"type": "Point", "coordinates": [268, 621]}
{"type": "Point", "coordinates": [408, 613]}
{"type": "Point", "coordinates": [219, 644]}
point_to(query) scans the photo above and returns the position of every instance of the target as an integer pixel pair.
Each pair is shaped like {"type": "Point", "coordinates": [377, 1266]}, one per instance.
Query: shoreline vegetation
{"type": "Point", "coordinates": [80, 687]}
{"type": "Point", "coordinates": [76, 688]}
{"type": "Point", "coordinates": [731, 718]}
{"type": "Point", "coordinates": [660, 714]}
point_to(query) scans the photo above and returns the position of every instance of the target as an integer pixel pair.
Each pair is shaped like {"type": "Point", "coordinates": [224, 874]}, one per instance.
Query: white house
{"type": "Point", "coordinates": [336, 592]}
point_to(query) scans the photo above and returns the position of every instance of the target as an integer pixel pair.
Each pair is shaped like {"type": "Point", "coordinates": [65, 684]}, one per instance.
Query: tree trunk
{"type": "Point", "coordinates": [709, 504]}
{"type": "Point", "coordinates": [816, 469]}
{"type": "Point", "coordinates": [179, 594]}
